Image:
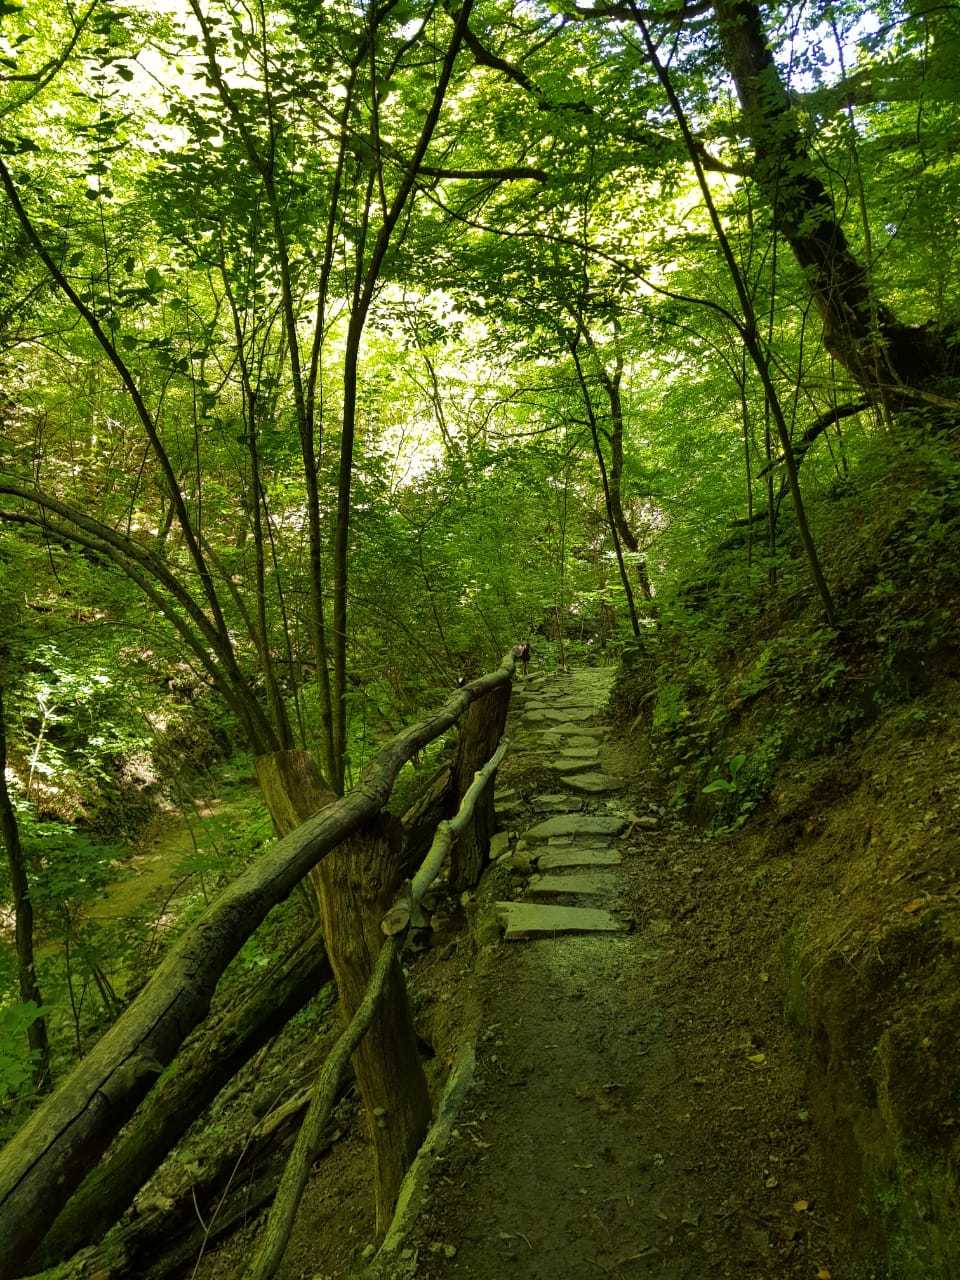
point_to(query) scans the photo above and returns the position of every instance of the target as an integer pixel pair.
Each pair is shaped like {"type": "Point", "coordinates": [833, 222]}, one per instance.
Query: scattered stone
{"type": "Point", "coordinates": [521, 862]}
{"type": "Point", "coordinates": [586, 884]}
{"type": "Point", "coordinates": [536, 920]}
{"type": "Point", "coordinates": [557, 859]}
{"type": "Point", "coordinates": [596, 784]}
{"type": "Point", "coordinates": [649, 823]}
{"type": "Point", "coordinates": [577, 825]}
{"type": "Point", "coordinates": [509, 809]}
{"type": "Point", "coordinates": [506, 793]}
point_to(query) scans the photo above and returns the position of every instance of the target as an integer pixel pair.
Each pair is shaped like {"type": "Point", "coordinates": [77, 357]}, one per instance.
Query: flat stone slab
{"type": "Point", "coordinates": [584, 884]}
{"type": "Point", "coordinates": [538, 920]}
{"type": "Point", "coordinates": [499, 845]}
{"type": "Point", "coordinates": [595, 784]}
{"type": "Point", "coordinates": [563, 802]}
{"type": "Point", "coordinates": [569, 715]}
{"type": "Point", "coordinates": [573, 763]}
{"type": "Point", "coordinates": [569, 729]}
{"type": "Point", "coordinates": [507, 808]}
{"type": "Point", "coordinates": [558, 859]}
{"type": "Point", "coordinates": [577, 825]}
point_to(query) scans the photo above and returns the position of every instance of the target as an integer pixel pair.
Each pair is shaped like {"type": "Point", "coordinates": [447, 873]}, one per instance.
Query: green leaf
{"type": "Point", "coordinates": [719, 784]}
{"type": "Point", "coordinates": [154, 280]}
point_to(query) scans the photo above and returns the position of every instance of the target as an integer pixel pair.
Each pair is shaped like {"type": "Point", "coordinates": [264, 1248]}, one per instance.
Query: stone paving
{"type": "Point", "coordinates": [569, 851]}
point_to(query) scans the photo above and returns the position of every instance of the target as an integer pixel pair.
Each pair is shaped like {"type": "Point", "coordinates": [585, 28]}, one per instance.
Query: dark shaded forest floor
{"type": "Point", "coordinates": [637, 1108]}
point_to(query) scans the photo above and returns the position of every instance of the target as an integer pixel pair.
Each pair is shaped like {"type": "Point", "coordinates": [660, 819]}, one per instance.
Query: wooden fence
{"type": "Point", "coordinates": [65, 1138]}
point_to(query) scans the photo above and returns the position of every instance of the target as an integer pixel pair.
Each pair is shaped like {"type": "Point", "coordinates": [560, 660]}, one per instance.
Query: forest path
{"type": "Point", "coordinates": [622, 1120]}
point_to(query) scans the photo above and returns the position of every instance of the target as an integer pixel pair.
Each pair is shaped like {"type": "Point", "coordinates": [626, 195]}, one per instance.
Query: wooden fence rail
{"type": "Point", "coordinates": [42, 1166]}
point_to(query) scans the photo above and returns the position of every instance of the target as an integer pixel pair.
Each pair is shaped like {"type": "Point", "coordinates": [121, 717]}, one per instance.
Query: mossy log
{"type": "Point", "coordinates": [67, 1135]}
{"type": "Point", "coordinates": [210, 1059]}
{"type": "Point", "coordinates": [237, 1181]}
{"type": "Point", "coordinates": [397, 1127]}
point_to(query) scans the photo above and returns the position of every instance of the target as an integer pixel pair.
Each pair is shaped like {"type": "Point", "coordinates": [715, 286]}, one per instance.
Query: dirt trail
{"type": "Point", "coordinates": [636, 1110]}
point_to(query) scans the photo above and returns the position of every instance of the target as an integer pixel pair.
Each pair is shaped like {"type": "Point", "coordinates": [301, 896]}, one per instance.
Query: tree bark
{"type": "Point", "coordinates": [481, 732]}
{"type": "Point", "coordinates": [183, 1093]}
{"type": "Point", "coordinates": [357, 885]}
{"type": "Point", "coordinates": [293, 790]}
{"type": "Point", "coordinates": [859, 330]}
{"type": "Point", "coordinates": [23, 917]}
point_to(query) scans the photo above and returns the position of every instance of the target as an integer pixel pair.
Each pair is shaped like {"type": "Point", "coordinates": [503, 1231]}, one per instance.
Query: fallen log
{"type": "Point", "coordinates": [67, 1135]}
{"type": "Point", "coordinates": [166, 1236]}
{"type": "Point", "coordinates": [207, 1062]}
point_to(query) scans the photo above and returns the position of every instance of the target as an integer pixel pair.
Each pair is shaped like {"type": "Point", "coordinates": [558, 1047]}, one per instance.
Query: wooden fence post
{"type": "Point", "coordinates": [355, 885]}
{"type": "Point", "coordinates": [482, 729]}
{"type": "Point", "coordinates": [358, 882]}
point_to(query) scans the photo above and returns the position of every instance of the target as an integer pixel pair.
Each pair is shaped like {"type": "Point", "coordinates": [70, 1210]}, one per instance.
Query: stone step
{"type": "Point", "coordinates": [566, 716]}
{"type": "Point", "coordinates": [582, 884]}
{"type": "Point", "coordinates": [595, 784]}
{"type": "Point", "coordinates": [577, 825]}
{"type": "Point", "coordinates": [563, 802]}
{"type": "Point", "coordinates": [539, 920]}
{"type": "Point", "coordinates": [558, 859]}
{"type": "Point", "coordinates": [572, 763]}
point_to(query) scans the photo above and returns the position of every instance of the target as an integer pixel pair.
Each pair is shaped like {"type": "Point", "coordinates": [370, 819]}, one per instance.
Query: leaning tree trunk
{"type": "Point", "coordinates": [23, 918]}
{"type": "Point", "coordinates": [188, 1086]}
{"type": "Point", "coordinates": [480, 733]}
{"type": "Point", "coordinates": [859, 330]}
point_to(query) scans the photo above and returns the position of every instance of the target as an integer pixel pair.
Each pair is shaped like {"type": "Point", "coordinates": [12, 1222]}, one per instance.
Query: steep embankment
{"type": "Point", "coordinates": [829, 761]}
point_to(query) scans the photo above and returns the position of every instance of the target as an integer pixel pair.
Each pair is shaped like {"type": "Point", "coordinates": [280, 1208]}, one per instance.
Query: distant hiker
{"type": "Point", "coordinates": [521, 655]}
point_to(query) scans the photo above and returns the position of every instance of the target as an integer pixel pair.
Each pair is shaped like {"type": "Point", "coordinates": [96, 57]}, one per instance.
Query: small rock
{"type": "Point", "coordinates": [499, 844]}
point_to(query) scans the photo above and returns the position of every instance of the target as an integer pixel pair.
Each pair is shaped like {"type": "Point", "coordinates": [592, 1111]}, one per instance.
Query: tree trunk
{"type": "Point", "coordinates": [23, 916]}
{"type": "Point", "coordinates": [182, 1094]}
{"type": "Point", "coordinates": [293, 790]}
{"type": "Point", "coordinates": [859, 331]}
{"type": "Point", "coordinates": [480, 733]}
{"type": "Point", "coordinates": [358, 883]}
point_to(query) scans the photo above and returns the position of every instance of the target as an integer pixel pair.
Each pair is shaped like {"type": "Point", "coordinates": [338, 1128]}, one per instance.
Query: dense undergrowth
{"type": "Point", "coordinates": [738, 675]}
{"type": "Point", "coordinates": [830, 758]}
